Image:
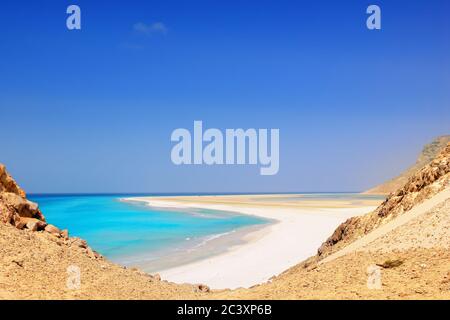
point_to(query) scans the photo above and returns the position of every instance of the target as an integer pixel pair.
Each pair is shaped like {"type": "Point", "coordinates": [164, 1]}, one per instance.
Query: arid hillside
{"type": "Point", "coordinates": [429, 152]}
{"type": "Point", "coordinates": [39, 261]}
{"type": "Point", "coordinates": [424, 184]}
{"type": "Point", "coordinates": [407, 237]}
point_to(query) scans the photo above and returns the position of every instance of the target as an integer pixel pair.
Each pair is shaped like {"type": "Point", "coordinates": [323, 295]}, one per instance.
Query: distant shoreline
{"type": "Point", "coordinates": [299, 229]}
{"type": "Point", "coordinates": [176, 194]}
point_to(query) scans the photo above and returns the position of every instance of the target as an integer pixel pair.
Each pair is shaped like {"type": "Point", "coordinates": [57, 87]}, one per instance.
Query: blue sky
{"type": "Point", "coordinates": [92, 110]}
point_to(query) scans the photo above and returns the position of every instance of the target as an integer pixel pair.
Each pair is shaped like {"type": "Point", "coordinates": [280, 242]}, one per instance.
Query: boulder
{"type": "Point", "coordinates": [92, 253]}
{"type": "Point", "coordinates": [15, 209]}
{"type": "Point", "coordinates": [52, 229]}
{"type": "Point", "coordinates": [20, 224]}
{"type": "Point", "coordinates": [7, 183]}
{"type": "Point", "coordinates": [80, 243]}
{"type": "Point", "coordinates": [33, 224]}
{"type": "Point", "coordinates": [65, 234]}
{"type": "Point", "coordinates": [20, 206]}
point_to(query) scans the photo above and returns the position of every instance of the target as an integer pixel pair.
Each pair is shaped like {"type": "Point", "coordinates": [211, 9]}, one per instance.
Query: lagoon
{"type": "Point", "coordinates": [135, 234]}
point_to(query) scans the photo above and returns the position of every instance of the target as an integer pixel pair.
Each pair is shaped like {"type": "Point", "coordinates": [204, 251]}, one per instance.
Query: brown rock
{"type": "Point", "coordinates": [52, 229]}
{"type": "Point", "coordinates": [65, 234]}
{"type": "Point", "coordinates": [201, 288]}
{"type": "Point", "coordinates": [7, 183]}
{"type": "Point", "coordinates": [14, 205]}
{"type": "Point", "coordinates": [32, 223]}
{"type": "Point", "coordinates": [91, 253]}
{"type": "Point", "coordinates": [13, 208]}
{"type": "Point", "coordinates": [80, 243]}
{"type": "Point", "coordinates": [20, 224]}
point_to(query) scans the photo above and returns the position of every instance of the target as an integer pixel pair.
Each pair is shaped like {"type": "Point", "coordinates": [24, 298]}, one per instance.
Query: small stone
{"type": "Point", "coordinates": [90, 253]}
{"type": "Point", "coordinates": [201, 288]}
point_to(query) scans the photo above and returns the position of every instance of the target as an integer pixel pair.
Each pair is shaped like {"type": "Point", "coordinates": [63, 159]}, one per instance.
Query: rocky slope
{"type": "Point", "coordinates": [429, 152]}
{"type": "Point", "coordinates": [37, 260]}
{"type": "Point", "coordinates": [420, 274]}
{"type": "Point", "coordinates": [424, 184]}
{"type": "Point", "coordinates": [15, 209]}
{"type": "Point", "coordinates": [413, 258]}
{"type": "Point", "coordinates": [413, 261]}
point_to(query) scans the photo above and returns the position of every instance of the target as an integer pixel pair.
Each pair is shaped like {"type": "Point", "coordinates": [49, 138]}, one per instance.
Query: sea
{"type": "Point", "coordinates": [135, 234]}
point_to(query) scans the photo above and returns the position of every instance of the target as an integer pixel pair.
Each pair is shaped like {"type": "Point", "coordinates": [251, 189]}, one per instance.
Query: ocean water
{"type": "Point", "coordinates": [132, 233]}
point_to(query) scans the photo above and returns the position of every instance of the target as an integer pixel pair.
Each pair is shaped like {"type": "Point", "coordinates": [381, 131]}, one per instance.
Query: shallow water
{"type": "Point", "coordinates": [135, 234]}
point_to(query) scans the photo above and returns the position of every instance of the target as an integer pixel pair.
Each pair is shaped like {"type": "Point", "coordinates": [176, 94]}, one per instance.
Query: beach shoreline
{"type": "Point", "coordinates": [296, 231]}
{"type": "Point", "coordinates": [193, 250]}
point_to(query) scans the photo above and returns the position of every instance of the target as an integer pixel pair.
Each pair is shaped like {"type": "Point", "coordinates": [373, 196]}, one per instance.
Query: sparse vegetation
{"type": "Point", "coordinates": [388, 264]}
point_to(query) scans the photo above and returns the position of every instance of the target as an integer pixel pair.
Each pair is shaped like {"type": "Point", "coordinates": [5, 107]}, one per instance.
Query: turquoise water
{"type": "Point", "coordinates": [123, 230]}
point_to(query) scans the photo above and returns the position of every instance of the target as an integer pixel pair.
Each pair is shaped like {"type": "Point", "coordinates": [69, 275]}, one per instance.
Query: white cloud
{"type": "Point", "coordinates": [149, 29]}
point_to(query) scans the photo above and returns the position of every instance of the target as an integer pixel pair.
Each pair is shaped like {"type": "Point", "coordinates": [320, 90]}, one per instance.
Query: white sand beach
{"type": "Point", "coordinates": [300, 228]}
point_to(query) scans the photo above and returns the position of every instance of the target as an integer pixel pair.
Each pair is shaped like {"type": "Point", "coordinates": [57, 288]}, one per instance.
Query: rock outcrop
{"type": "Point", "coordinates": [429, 152]}
{"type": "Point", "coordinates": [15, 209]}
{"type": "Point", "coordinates": [7, 183]}
{"type": "Point", "coordinates": [424, 184]}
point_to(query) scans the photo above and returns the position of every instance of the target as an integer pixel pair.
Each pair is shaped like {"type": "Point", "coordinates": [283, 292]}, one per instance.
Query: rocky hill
{"type": "Point", "coordinates": [412, 253]}
{"type": "Point", "coordinates": [424, 184]}
{"type": "Point", "coordinates": [429, 152]}
{"type": "Point", "coordinates": [37, 260]}
{"type": "Point", "coordinates": [15, 209]}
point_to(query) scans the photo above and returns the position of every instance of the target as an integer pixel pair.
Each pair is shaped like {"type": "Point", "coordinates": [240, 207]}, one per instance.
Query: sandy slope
{"type": "Point", "coordinates": [33, 265]}
{"type": "Point", "coordinates": [429, 230]}
{"type": "Point", "coordinates": [414, 213]}
{"type": "Point", "coordinates": [421, 242]}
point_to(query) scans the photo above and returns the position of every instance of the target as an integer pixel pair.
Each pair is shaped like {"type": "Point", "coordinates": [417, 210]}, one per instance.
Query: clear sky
{"type": "Point", "coordinates": [93, 110]}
